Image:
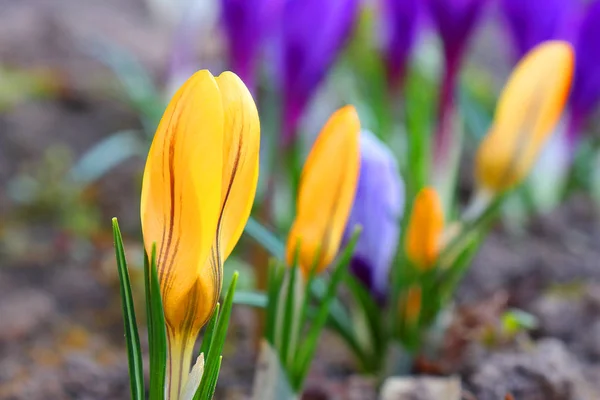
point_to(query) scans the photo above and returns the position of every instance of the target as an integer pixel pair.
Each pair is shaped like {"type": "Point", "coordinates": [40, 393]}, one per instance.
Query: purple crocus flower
{"type": "Point", "coordinates": [455, 21]}
{"type": "Point", "coordinates": [313, 34]}
{"type": "Point", "coordinates": [246, 23]}
{"type": "Point", "coordinates": [534, 21]}
{"type": "Point", "coordinates": [378, 208]}
{"type": "Point", "coordinates": [400, 21]}
{"type": "Point", "coordinates": [585, 93]}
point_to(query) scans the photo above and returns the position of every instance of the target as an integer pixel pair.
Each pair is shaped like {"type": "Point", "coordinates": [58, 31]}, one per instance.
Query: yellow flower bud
{"type": "Point", "coordinates": [527, 112]}
{"type": "Point", "coordinates": [198, 188]}
{"type": "Point", "coordinates": [326, 192]}
{"type": "Point", "coordinates": [425, 229]}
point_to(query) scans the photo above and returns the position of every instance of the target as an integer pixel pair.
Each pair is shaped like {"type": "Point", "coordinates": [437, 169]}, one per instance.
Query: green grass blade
{"type": "Point", "coordinates": [212, 384]}
{"type": "Point", "coordinates": [289, 314]}
{"type": "Point", "coordinates": [209, 331]}
{"type": "Point", "coordinates": [265, 238]}
{"type": "Point", "coordinates": [134, 353]}
{"type": "Point", "coordinates": [308, 347]}
{"type": "Point", "coordinates": [157, 335]}
{"type": "Point", "coordinates": [274, 284]}
{"type": "Point", "coordinates": [252, 299]}
{"type": "Point", "coordinates": [371, 309]}
{"type": "Point", "coordinates": [213, 358]}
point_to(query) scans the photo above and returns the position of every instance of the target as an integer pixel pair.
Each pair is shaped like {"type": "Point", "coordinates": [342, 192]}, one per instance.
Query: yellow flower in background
{"type": "Point", "coordinates": [527, 112]}
{"type": "Point", "coordinates": [425, 229]}
{"type": "Point", "coordinates": [198, 188]}
{"type": "Point", "coordinates": [326, 192]}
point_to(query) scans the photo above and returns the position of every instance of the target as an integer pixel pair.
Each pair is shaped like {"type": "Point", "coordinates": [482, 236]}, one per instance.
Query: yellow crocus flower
{"type": "Point", "coordinates": [527, 112]}
{"type": "Point", "coordinates": [198, 188]}
{"type": "Point", "coordinates": [326, 192]}
{"type": "Point", "coordinates": [425, 229]}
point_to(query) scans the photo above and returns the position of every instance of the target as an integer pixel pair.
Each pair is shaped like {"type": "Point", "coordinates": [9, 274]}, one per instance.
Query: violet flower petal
{"type": "Point", "coordinates": [378, 208]}
{"type": "Point", "coordinates": [313, 34]}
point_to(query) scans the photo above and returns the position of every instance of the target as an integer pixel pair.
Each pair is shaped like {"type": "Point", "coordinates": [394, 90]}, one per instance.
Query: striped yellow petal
{"type": "Point", "coordinates": [425, 229]}
{"type": "Point", "coordinates": [326, 192]}
{"type": "Point", "coordinates": [198, 189]}
{"type": "Point", "coordinates": [240, 156]}
{"type": "Point", "coordinates": [181, 196]}
{"type": "Point", "coordinates": [527, 112]}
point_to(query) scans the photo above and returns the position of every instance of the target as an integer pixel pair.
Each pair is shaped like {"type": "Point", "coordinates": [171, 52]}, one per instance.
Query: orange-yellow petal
{"type": "Point", "coordinates": [425, 229]}
{"type": "Point", "coordinates": [239, 177]}
{"type": "Point", "coordinates": [240, 156]}
{"type": "Point", "coordinates": [181, 197]}
{"type": "Point", "coordinates": [527, 112]}
{"type": "Point", "coordinates": [326, 192]}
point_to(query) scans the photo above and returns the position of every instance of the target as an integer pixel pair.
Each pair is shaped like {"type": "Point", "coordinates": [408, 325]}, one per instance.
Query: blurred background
{"type": "Point", "coordinates": [83, 85]}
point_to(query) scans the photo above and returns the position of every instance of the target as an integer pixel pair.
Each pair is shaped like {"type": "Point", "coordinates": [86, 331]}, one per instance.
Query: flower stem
{"type": "Point", "coordinates": [443, 134]}
{"type": "Point", "coordinates": [178, 363]}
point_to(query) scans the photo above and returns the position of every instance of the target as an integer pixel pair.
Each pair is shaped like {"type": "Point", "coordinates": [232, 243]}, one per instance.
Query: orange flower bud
{"type": "Point", "coordinates": [425, 229]}
{"type": "Point", "coordinates": [326, 192]}
{"type": "Point", "coordinates": [527, 112]}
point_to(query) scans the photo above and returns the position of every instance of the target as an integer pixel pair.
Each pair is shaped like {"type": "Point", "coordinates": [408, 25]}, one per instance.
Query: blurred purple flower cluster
{"type": "Point", "coordinates": [307, 36]}
{"type": "Point", "coordinates": [400, 22]}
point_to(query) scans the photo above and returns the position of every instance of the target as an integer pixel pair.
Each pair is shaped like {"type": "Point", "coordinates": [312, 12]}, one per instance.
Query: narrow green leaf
{"type": "Point", "coordinates": [212, 382]}
{"type": "Point", "coordinates": [274, 284]}
{"type": "Point", "coordinates": [289, 314]}
{"type": "Point", "coordinates": [339, 322]}
{"type": "Point", "coordinates": [252, 299]}
{"type": "Point", "coordinates": [213, 358]}
{"type": "Point", "coordinates": [209, 331]}
{"type": "Point", "coordinates": [308, 347]}
{"type": "Point", "coordinates": [134, 353]}
{"type": "Point", "coordinates": [265, 238]}
{"type": "Point", "coordinates": [454, 274]}
{"type": "Point", "coordinates": [107, 154]}
{"type": "Point", "coordinates": [136, 80]}
{"type": "Point", "coordinates": [157, 335]}
{"type": "Point", "coordinates": [371, 309]}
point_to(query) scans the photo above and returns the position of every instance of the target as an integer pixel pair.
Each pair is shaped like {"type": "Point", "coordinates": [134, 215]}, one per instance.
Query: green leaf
{"type": "Point", "coordinates": [453, 275]}
{"type": "Point", "coordinates": [477, 118]}
{"type": "Point", "coordinates": [252, 299]}
{"type": "Point", "coordinates": [419, 112]}
{"type": "Point", "coordinates": [135, 79]}
{"type": "Point", "coordinates": [274, 284]}
{"type": "Point", "coordinates": [339, 321]}
{"type": "Point", "coordinates": [213, 357]}
{"type": "Point", "coordinates": [134, 353]}
{"type": "Point", "coordinates": [107, 154]}
{"type": "Point", "coordinates": [157, 335]}
{"type": "Point", "coordinates": [371, 309]}
{"type": "Point", "coordinates": [209, 331]}
{"type": "Point", "coordinates": [309, 345]}
{"type": "Point", "coordinates": [289, 314]}
{"type": "Point", "coordinates": [265, 238]}
{"type": "Point", "coordinates": [515, 321]}
{"type": "Point", "coordinates": [212, 383]}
